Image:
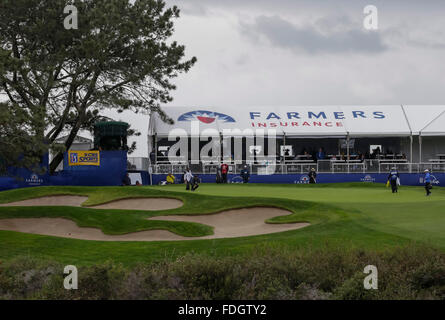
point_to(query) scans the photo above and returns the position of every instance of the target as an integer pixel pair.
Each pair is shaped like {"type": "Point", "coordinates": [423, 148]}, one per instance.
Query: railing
{"type": "Point", "coordinates": [288, 167]}
{"type": "Point", "coordinates": [348, 167]}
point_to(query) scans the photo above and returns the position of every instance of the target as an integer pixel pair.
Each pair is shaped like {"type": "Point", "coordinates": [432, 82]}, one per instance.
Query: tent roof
{"type": "Point", "coordinates": [300, 121]}
{"type": "Point", "coordinates": [421, 116]}
{"type": "Point", "coordinates": [435, 127]}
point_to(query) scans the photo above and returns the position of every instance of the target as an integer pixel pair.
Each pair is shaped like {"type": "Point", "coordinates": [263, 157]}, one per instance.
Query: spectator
{"type": "Point", "coordinates": [126, 181]}
{"type": "Point", "coordinates": [224, 171]}
{"type": "Point", "coordinates": [219, 178]}
{"type": "Point", "coordinates": [138, 183]}
{"type": "Point", "coordinates": [320, 154]}
{"type": "Point", "coordinates": [171, 179]}
{"type": "Point", "coordinates": [245, 174]}
{"type": "Point", "coordinates": [152, 156]}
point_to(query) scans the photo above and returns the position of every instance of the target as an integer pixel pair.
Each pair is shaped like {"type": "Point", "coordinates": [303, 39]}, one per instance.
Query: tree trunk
{"type": "Point", "coordinates": [59, 157]}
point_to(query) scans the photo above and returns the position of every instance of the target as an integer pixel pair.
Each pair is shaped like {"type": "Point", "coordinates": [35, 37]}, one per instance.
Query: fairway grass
{"type": "Point", "coordinates": [349, 216]}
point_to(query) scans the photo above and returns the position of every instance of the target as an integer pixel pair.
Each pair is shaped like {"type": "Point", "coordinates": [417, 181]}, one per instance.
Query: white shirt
{"type": "Point", "coordinates": [188, 176]}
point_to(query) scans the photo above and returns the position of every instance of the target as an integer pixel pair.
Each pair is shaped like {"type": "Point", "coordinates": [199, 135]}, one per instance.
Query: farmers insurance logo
{"type": "Point", "coordinates": [303, 180]}
{"type": "Point", "coordinates": [368, 178]}
{"type": "Point", "coordinates": [34, 180]}
{"type": "Point", "coordinates": [206, 117]}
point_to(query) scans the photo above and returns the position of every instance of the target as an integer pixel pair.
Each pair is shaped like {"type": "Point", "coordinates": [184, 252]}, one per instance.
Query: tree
{"type": "Point", "coordinates": [120, 57]}
{"type": "Point", "coordinates": [20, 146]}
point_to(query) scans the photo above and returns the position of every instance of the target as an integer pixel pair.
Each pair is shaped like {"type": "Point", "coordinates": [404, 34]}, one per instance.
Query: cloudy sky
{"type": "Point", "coordinates": [308, 52]}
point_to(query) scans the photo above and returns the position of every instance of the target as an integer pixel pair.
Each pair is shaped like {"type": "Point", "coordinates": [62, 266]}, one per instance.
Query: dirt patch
{"type": "Point", "coordinates": [227, 224]}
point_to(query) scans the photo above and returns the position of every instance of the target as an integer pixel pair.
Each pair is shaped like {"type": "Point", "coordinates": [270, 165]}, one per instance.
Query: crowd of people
{"type": "Point", "coordinates": [353, 155]}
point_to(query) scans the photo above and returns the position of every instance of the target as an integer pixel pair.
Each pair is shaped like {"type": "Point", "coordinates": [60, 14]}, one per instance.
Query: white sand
{"type": "Point", "coordinates": [240, 222]}
{"type": "Point", "coordinates": [73, 201]}
{"type": "Point", "coordinates": [228, 224]}
{"type": "Point", "coordinates": [150, 204]}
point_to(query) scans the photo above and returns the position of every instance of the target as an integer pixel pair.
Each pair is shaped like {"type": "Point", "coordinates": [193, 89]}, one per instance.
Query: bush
{"type": "Point", "coordinates": [410, 272]}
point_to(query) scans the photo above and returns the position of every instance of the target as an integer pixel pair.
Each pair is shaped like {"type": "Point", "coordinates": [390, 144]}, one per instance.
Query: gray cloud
{"type": "Point", "coordinates": [312, 38]}
{"type": "Point", "coordinates": [297, 5]}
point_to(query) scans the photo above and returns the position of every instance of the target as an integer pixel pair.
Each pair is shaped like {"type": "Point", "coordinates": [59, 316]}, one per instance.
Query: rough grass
{"type": "Point", "coordinates": [409, 272]}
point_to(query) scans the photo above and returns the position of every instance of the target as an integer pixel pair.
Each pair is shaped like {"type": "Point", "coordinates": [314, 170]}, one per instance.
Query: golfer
{"type": "Point", "coordinates": [427, 180]}
{"type": "Point", "coordinates": [312, 176]}
{"type": "Point", "coordinates": [188, 176]}
{"type": "Point", "coordinates": [392, 178]}
{"type": "Point", "coordinates": [195, 182]}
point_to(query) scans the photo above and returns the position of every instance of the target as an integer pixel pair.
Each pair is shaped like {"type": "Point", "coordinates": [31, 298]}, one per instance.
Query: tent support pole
{"type": "Point", "coordinates": [221, 149]}
{"type": "Point", "coordinates": [347, 150]}
{"type": "Point", "coordinates": [420, 149]}
{"type": "Point", "coordinates": [284, 144]}
{"type": "Point", "coordinates": [410, 152]}
{"type": "Point", "coordinates": [156, 148]}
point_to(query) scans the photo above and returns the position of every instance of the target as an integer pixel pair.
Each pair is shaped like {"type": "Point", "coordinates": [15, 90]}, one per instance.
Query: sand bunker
{"type": "Point", "coordinates": [228, 224]}
{"type": "Point", "coordinates": [73, 201]}
{"type": "Point", "coordinates": [240, 222]}
{"type": "Point", "coordinates": [142, 204]}
{"type": "Point", "coordinates": [149, 204]}
{"type": "Point", "coordinates": [68, 229]}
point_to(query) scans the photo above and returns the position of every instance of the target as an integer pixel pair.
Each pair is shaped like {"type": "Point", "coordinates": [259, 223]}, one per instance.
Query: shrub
{"type": "Point", "coordinates": [410, 272]}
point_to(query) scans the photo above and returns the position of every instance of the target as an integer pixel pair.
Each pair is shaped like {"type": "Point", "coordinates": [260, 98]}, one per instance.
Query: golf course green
{"type": "Point", "coordinates": [349, 216]}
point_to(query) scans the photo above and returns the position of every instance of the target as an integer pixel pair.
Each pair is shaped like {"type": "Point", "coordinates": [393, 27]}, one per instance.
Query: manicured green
{"type": "Point", "coordinates": [348, 216]}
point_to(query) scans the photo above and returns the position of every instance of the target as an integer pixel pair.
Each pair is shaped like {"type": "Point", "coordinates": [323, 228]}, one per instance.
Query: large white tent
{"type": "Point", "coordinates": [415, 122]}
{"type": "Point", "coordinates": [392, 120]}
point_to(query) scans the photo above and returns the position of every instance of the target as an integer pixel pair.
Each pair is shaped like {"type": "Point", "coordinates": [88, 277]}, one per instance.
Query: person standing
{"type": "Point", "coordinates": [392, 178]}
{"type": "Point", "coordinates": [245, 174]}
{"type": "Point", "coordinates": [188, 176]}
{"type": "Point", "coordinates": [218, 175]}
{"type": "Point", "coordinates": [224, 171]}
{"type": "Point", "coordinates": [312, 176]}
{"type": "Point", "coordinates": [427, 180]}
{"type": "Point", "coordinates": [153, 157]}
{"type": "Point", "coordinates": [320, 154]}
